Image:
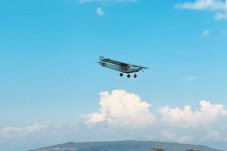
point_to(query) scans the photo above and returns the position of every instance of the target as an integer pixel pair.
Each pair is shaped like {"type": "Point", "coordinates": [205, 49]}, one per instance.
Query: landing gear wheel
{"type": "Point", "coordinates": [121, 74]}
{"type": "Point", "coordinates": [128, 75]}
{"type": "Point", "coordinates": [135, 75]}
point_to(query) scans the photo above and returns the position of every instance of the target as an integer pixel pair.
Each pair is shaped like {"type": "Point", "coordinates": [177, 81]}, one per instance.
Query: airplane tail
{"type": "Point", "coordinates": [101, 58]}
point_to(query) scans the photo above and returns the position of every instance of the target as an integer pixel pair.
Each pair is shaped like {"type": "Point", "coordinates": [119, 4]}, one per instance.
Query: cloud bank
{"type": "Point", "coordinates": [121, 108]}
{"type": "Point", "coordinates": [125, 113]}
{"type": "Point", "coordinates": [125, 116]}
{"type": "Point", "coordinates": [13, 132]}
{"type": "Point", "coordinates": [217, 6]}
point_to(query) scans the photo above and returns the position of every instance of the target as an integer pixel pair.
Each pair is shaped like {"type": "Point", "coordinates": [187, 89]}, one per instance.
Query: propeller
{"type": "Point", "coordinates": [141, 68]}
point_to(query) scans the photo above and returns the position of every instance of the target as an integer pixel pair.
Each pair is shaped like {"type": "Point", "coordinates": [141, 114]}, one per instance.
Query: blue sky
{"type": "Point", "coordinates": [53, 91]}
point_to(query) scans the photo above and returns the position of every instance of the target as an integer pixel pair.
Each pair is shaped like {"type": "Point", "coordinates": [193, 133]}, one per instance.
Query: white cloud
{"type": "Point", "coordinates": [219, 15]}
{"type": "Point", "coordinates": [213, 135]}
{"type": "Point", "coordinates": [121, 108]}
{"type": "Point", "coordinates": [217, 6]}
{"type": "Point", "coordinates": [100, 11]}
{"type": "Point", "coordinates": [203, 5]}
{"type": "Point", "coordinates": [124, 115]}
{"type": "Point", "coordinates": [120, 117]}
{"type": "Point", "coordinates": [106, 1]}
{"type": "Point", "coordinates": [21, 131]}
{"type": "Point", "coordinates": [190, 78]}
{"type": "Point", "coordinates": [206, 33]}
{"type": "Point", "coordinates": [186, 117]}
{"type": "Point", "coordinates": [173, 135]}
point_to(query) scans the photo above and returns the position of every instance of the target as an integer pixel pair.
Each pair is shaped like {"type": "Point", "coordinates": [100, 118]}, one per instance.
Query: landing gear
{"type": "Point", "coordinates": [128, 75]}
{"type": "Point", "coordinates": [135, 75]}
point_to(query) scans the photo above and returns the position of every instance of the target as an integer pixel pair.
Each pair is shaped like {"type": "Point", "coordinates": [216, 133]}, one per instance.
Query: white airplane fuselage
{"type": "Point", "coordinates": [120, 66]}
{"type": "Point", "coordinates": [125, 69]}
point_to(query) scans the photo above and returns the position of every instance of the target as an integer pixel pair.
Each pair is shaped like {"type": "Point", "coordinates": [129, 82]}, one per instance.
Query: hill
{"type": "Point", "coordinates": [125, 146]}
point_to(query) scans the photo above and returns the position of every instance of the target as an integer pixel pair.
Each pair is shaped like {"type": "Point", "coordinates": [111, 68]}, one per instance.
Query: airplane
{"type": "Point", "coordinates": [120, 66]}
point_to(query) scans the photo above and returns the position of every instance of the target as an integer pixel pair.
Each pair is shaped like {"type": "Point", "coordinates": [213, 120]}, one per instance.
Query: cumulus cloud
{"type": "Point", "coordinates": [124, 115]}
{"type": "Point", "coordinates": [217, 6]}
{"type": "Point", "coordinates": [99, 11]}
{"type": "Point", "coordinates": [186, 117]}
{"type": "Point", "coordinates": [121, 108]}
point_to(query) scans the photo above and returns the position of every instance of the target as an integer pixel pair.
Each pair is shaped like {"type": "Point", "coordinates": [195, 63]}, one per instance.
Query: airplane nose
{"type": "Point", "coordinates": [141, 69]}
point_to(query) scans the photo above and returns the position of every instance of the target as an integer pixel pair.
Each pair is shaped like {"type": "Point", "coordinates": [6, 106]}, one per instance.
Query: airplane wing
{"type": "Point", "coordinates": [121, 63]}
{"type": "Point", "coordinates": [115, 62]}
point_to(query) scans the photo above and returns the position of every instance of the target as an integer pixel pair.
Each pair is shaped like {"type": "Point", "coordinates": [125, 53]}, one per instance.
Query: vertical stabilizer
{"type": "Point", "coordinates": [101, 58]}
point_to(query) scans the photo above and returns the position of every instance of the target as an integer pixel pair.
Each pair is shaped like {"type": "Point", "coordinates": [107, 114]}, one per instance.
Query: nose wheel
{"type": "Point", "coordinates": [121, 74]}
